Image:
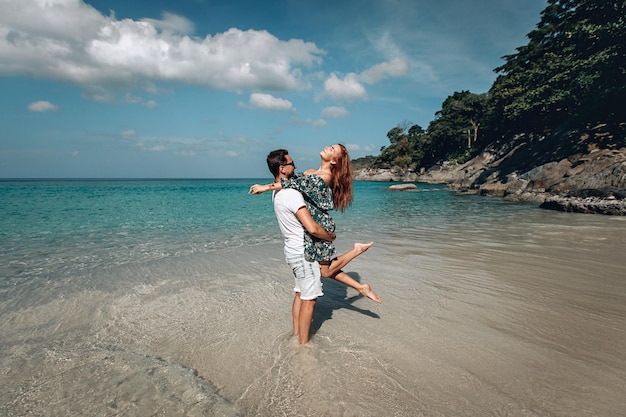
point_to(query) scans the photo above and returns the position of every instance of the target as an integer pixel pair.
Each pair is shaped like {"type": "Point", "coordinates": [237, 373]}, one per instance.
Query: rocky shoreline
{"type": "Point", "coordinates": [582, 177]}
{"type": "Point", "coordinates": [593, 205]}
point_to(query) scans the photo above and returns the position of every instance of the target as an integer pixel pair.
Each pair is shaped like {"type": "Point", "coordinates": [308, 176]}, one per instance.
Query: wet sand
{"type": "Point", "coordinates": [515, 322]}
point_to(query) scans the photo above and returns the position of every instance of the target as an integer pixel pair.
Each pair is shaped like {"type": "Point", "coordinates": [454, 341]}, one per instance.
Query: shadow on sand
{"type": "Point", "coordinates": [336, 297]}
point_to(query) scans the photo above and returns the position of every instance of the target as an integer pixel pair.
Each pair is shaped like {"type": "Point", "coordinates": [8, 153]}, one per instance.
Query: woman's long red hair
{"type": "Point", "coordinates": [342, 181]}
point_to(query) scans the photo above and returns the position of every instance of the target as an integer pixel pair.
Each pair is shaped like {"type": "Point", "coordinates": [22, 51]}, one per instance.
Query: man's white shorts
{"type": "Point", "coordinates": [307, 277]}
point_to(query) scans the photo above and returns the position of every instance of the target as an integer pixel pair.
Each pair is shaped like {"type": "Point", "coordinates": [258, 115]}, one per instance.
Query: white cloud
{"type": "Point", "coordinates": [394, 68]}
{"type": "Point", "coordinates": [172, 23]}
{"type": "Point", "coordinates": [129, 98]}
{"type": "Point", "coordinates": [128, 134]}
{"type": "Point", "coordinates": [151, 148]}
{"type": "Point", "coordinates": [318, 123]}
{"type": "Point", "coordinates": [348, 88]}
{"type": "Point", "coordinates": [42, 106]}
{"type": "Point", "coordinates": [185, 153]}
{"type": "Point", "coordinates": [190, 147]}
{"type": "Point", "coordinates": [356, 148]}
{"type": "Point", "coordinates": [269, 102]}
{"type": "Point", "coordinates": [334, 112]}
{"type": "Point", "coordinates": [71, 41]}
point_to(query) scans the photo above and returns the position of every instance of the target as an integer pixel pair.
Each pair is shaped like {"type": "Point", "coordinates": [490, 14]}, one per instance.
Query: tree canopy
{"type": "Point", "coordinates": [572, 73]}
{"type": "Point", "coordinates": [571, 70]}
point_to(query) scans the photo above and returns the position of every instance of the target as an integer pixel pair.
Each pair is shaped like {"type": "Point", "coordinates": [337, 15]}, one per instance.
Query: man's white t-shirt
{"type": "Point", "coordinates": [286, 203]}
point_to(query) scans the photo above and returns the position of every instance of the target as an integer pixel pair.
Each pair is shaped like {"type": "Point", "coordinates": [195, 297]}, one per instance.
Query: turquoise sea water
{"type": "Point", "coordinates": [48, 227]}
{"type": "Point", "coordinates": [53, 227]}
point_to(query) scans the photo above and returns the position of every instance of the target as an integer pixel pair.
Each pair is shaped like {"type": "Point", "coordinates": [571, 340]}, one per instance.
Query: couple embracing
{"type": "Point", "coordinates": [301, 204]}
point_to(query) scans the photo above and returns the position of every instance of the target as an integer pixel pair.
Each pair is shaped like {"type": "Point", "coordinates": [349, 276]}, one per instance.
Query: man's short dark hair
{"type": "Point", "coordinates": [275, 159]}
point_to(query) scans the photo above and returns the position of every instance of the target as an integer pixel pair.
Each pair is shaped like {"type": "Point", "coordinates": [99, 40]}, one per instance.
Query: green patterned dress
{"type": "Point", "coordinates": [318, 198]}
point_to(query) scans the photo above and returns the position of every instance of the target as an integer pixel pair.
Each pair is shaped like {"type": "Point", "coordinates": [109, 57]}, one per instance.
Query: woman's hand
{"type": "Point", "coordinates": [258, 189]}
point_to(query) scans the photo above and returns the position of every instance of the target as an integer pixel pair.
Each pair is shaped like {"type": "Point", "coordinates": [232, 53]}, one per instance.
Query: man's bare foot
{"type": "Point", "coordinates": [362, 247]}
{"type": "Point", "coordinates": [366, 290]}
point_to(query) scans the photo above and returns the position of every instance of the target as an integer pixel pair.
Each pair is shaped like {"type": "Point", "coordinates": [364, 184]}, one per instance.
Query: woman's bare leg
{"type": "Point", "coordinates": [342, 260]}
{"type": "Point", "coordinates": [364, 289]}
{"type": "Point", "coordinates": [333, 270]}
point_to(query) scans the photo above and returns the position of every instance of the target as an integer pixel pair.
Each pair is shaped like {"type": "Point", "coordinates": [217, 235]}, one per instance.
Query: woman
{"type": "Point", "coordinates": [324, 189]}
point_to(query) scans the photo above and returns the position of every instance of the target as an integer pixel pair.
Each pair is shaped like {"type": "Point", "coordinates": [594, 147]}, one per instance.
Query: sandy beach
{"type": "Point", "coordinates": [513, 322]}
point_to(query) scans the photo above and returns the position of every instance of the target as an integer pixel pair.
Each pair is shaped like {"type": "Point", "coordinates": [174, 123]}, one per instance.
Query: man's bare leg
{"type": "Point", "coordinates": [306, 317]}
{"type": "Point", "coordinates": [295, 314]}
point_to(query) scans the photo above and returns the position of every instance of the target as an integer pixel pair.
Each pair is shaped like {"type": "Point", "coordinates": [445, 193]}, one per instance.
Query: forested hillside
{"type": "Point", "coordinates": [561, 94]}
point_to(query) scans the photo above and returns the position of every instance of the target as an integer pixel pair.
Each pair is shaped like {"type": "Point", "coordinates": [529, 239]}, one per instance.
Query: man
{"type": "Point", "coordinates": [293, 217]}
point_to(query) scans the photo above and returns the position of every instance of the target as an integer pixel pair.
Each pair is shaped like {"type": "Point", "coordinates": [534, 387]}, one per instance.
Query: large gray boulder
{"type": "Point", "coordinates": [403, 187]}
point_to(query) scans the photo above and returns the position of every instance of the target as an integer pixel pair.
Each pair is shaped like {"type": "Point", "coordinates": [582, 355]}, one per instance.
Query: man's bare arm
{"type": "Point", "coordinates": [312, 226]}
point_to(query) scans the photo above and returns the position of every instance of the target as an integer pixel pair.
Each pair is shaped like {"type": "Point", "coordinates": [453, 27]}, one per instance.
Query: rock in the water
{"type": "Point", "coordinates": [403, 187]}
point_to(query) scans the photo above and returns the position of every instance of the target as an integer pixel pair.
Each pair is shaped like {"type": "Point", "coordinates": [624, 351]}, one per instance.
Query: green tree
{"type": "Point", "coordinates": [572, 70]}
{"type": "Point", "coordinates": [452, 135]}
{"type": "Point", "coordinates": [406, 147]}
{"type": "Point", "coordinates": [389, 153]}
{"type": "Point", "coordinates": [399, 153]}
{"type": "Point", "coordinates": [455, 128]}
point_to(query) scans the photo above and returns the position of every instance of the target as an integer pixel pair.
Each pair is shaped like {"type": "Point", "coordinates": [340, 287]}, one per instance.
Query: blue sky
{"type": "Point", "coordinates": [205, 88]}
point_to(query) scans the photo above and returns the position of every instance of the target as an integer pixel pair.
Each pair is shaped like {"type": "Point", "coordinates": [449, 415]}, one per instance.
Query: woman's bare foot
{"type": "Point", "coordinates": [366, 290]}
{"type": "Point", "coordinates": [362, 247]}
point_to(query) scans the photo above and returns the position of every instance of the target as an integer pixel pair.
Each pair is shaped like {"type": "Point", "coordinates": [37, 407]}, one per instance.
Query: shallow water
{"type": "Point", "coordinates": [489, 308]}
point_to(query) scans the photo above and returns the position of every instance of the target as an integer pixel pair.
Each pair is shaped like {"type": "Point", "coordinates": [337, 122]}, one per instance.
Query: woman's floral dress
{"type": "Point", "coordinates": [319, 201]}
